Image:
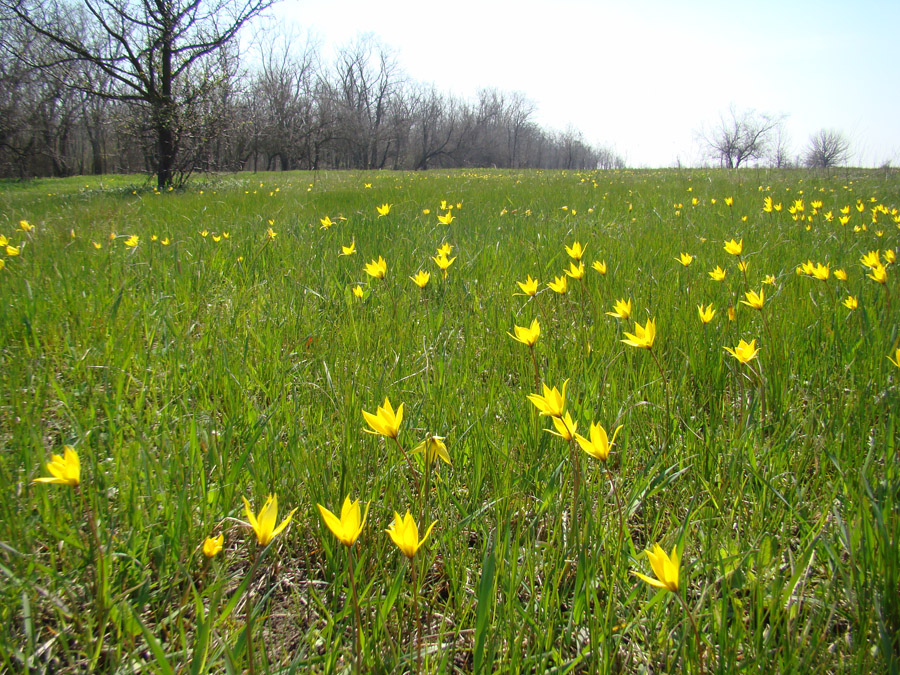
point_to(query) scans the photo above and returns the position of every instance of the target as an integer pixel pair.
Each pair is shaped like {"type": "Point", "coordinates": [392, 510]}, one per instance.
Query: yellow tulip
{"type": "Point", "coordinates": [559, 284]}
{"type": "Point", "coordinates": [643, 336]}
{"type": "Point", "coordinates": [212, 546]}
{"type": "Point", "coordinates": [552, 403]}
{"type": "Point", "coordinates": [405, 534]}
{"type": "Point", "coordinates": [348, 250]}
{"type": "Point", "coordinates": [744, 352]}
{"type": "Point", "coordinates": [348, 527]}
{"type": "Point", "coordinates": [600, 266]}
{"type": "Point", "coordinates": [529, 286]}
{"type": "Point", "coordinates": [527, 336]}
{"type": "Point", "coordinates": [685, 259]}
{"type": "Point", "coordinates": [734, 247]}
{"type": "Point", "coordinates": [433, 447]}
{"type": "Point", "coordinates": [565, 427]}
{"type": "Point", "coordinates": [600, 444]}
{"type": "Point", "coordinates": [66, 468]}
{"type": "Point", "coordinates": [622, 309]}
{"type": "Point", "coordinates": [706, 315]}
{"type": "Point", "coordinates": [575, 272]}
{"type": "Point", "coordinates": [383, 210]}
{"type": "Point", "coordinates": [421, 278]}
{"type": "Point", "coordinates": [717, 274]}
{"type": "Point", "coordinates": [850, 302]}
{"type": "Point", "coordinates": [753, 300]}
{"type": "Point", "coordinates": [264, 523]}
{"type": "Point", "coordinates": [575, 251]}
{"type": "Point", "coordinates": [385, 422]}
{"type": "Point", "coordinates": [665, 567]}
{"type": "Point", "coordinates": [376, 268]}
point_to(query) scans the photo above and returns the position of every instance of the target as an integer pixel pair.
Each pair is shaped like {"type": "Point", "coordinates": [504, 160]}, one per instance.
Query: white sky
{"type": "Point", "coordinates": [642, 77]}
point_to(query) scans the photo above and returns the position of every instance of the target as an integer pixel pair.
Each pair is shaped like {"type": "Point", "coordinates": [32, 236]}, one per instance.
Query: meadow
{"type": "Point", "coordinates": [198, 348]}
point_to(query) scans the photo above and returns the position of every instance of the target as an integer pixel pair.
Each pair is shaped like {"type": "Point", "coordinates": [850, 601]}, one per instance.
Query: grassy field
{"type": "Point", "coordinates": [196, 348]}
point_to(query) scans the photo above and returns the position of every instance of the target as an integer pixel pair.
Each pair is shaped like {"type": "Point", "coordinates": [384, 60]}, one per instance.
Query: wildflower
{"type": "Point", "coordinates": [358, 291]}
{"type": "Point", "coordinates": [767, 205]}
{"type": "Point", "coordinates": [731, 314]}
{"type": "Point", "coordinates": [643, 336]}
{"type": "Point", "coordinates": [385, 422]}
{"type": "Point", "coordinates": [600, 444]}
{"type": "Point", "coordinates": [753, 300]}
{"type": "Point", "coordinates": [529, 286]}
{"type": "Point", "coordinates": [204, 233]}
{"type": "Point", "coordinates": [445, 249]}
{"type": "Point", "coordinates": [217, 239]}
{"type": "Point", "coordinates": [729, 201]}
{"type": "Point", "coordinates": [433, 447]}
{"type": "Point", "coordinates": [348, 250]}
{"type": "Point", "coordinates": [421, 278]}
{"type": "Point", "coordinates": [212, 546]}
{"type": "Point", "coordinates": [97, 245]}
{"type": "Point", "coordinates": [896, 359]}
{"type": "Point", "coordinates": [12, 251]}
{"type": "Point", "coordinates": [405, 534]}
{"type": "Point", "coordinates": [3, 241]}
{"type": "Point", "coordinates": [443, 262]}
{"type": "Point", "coordinates": [66, 468]}
{"type": "Point", "coordinates": [889, 256]}
{"type": "Point", "coordinates": [25, 226]}
{"type": "Point", "coordinates": [383, 210]}
{"type": "Point", "coordinates": [348, 527]}
{"type": "Point", "coordinates": [743, 266]}
{"type": "Point", "coordinates": [717, 274]}
{"type": "Point", "coordinates": [270, 233]}
{"type": "Point", "coordinates": [376, 268]}
{"type": "Point", "coordinates": [326, 222]}
{"type": "Point", "coordinates": [576, 251]}
{"type": "Point", "coordinates": [446, 219]}
{"type": "Point", "coordinates": [850, 302]}
{"type": "Point", "coordinates": [622, 309]}
{"type": "Point", "coordinates": [559, 284]}
{"type": "Point", "coordinates": [576, 272]}
{"type": "Point", "coordinates": [552, 403]}
{"type": "Point", "coordinates": [745, 351]}
{"type": "Point", "coordinates": [565, 427]}
{"type": "Point", "coordinates": [600, 266]}
{"type": "Point", "coordinates": [527, 336]}
{"type": "Point", "coordinates": [821, 272]}
{"type": "Point", "coordinates": [165, 242]}
{"type": "Point", "coordinates": [264, 524]}
{"type": "Point", "coordinates": [132, 241]}
{"type": "Point", "coordinates": [770, 279]}
{"type": "Point", "coordinates": [734, 247]}
{"type": "Point", "coordinates": [878, 274]}
{"type": "Point", "coordinates": [706, 315]}
{"type": "Point", "coordinates": [665, 568]}
{"type": "Point", "coordinates": [685, 259]}
{"type": "Point", "coordinates": [871, 259]}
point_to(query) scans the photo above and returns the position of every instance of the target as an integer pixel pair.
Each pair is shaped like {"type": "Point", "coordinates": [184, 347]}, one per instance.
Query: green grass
{"type": "Point", "coordinates": [190, 375]}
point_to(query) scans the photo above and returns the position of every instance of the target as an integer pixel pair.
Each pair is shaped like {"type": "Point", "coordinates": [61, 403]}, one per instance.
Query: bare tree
{"type": "Point", "coordinates": [739, 137]}
{"type": "Point", "coordinates": [159, 54]}
{"type": "Point", "coordinates": [827, 148]}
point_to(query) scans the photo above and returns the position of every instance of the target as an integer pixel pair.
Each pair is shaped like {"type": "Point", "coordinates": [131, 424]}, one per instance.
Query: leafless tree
{"type": "Point", "coordinates": [827, 148]}
{"type": "Point", "coordinates": [739, 137]}
{"type": "Point", "coordinates": [160, 54]}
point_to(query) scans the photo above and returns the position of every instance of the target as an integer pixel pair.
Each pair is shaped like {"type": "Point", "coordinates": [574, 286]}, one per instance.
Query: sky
{"type": "Point", "coordinates": [644, 77]}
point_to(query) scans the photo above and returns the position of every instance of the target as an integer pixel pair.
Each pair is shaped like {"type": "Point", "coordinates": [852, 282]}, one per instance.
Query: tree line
{"type": "Point", "coordinates": [161, 87]}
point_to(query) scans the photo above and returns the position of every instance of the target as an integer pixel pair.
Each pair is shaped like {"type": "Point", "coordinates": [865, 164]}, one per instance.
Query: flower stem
{"type": "Point", "coordinates": [537, 373]}
{"type": "Point", "coordinates": [576, 487]}
{"type": "Point", "coordinates": [415, 604]}
{"type": "Point", "coordinates": [356, 611]}
{"type": "Point", "coordinates": [666, 386]}
{"type": "Point", "coordinates": [412, 469]}
{"type": "Point", "coordinates": [249, 617]}
{"type": "Point", "coordinates": [696, 631]}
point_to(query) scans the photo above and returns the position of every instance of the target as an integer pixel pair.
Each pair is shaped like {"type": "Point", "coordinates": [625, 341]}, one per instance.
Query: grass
{"type": "Point", "coordinates": [192, 374]}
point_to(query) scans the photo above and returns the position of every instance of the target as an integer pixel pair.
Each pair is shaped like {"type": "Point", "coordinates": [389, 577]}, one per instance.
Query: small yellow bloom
{"type": "Point", "coordinates": [685, 259]}
{"type": "Point", "coordinates": [112, 235]}
{"type": "Point", "coordinates": [734, 247]}
{"type": "Point", "coordinates": [706, 315]}
{"type": "Point", "coordinates": [217, 239]}
{"type": "Point", "coordinates": [743, 266]}
{"type": "Point", "coordinates": [270, 233]}
{"type": "Point", "coordinates": [97, 245]}
{"type": "Point", "coordinates": [421, 278]}
{"type": "Point", "coordinates": [383, 210]}
{"type": "Point", "coordinates": [385, 422]}
{"type": "Point", "coordinates": [666, 568]}
{"type": "Point", "coordinates": [445, 249]}
{"type": "Point", "coordinates": [376, 268]}
{"type": "Point", "coordinates": [552, 403]}
{"type": "Point", "coordinates": [358, 291]}
{"type": "Point", "coordinates": [529, 286]}
{"type": "Point", "coordinates": [426, 211]}
{"type": "Point", "coordinates": [165, 242]}
{"type": "Point", "coordinates": [446, 219]}
{"type": "Point", "coordinates": [729, 201]}
{"type": "Point", "coordinates": [717, 274]}
{"type": "Point", "coordinates": [565, 427]}
{"type": "Point", "coordinates": [753, 300]}
{"type": "Point", "coordinates": [600, 444]}
{"type": "Point", "coordinates": [600, 266]}
{"type": "Point", "coordinates": [527, 336]}
{"type": "Point", "coordinates": [326, 222]}
{"type": "Point", "coordinates": [212, 546]}
{"type": "Point", "coordinates": [348, 527]}
{"type": "Point", "coordinates": [204, 233]}
{"type": "Point", "coordinates": [878, 274]}
{"type": "Point", "coordinates": [25, 226]}
{"type": "Point", "coordinates": [348, 250]}
{"type": "Point", "coordinates": [769, 280]}
{"type": "Point", "coordinates": [433, 447]}
{"type": "Point", "coordinates": [871, 259]}
{"type": "Point", "coordinates": [767, 205]}
{"type": "Point", "coordinates": [575, 272]}
{"type": "Point", "coordinates": [622, 309]}
{"type": "Point", "coordinates": [850, 302]}
{"type": "Point", "coordinates": [264, 523]}
{"type": "Point", "coordinates": [405, 534]}
{"type": "Point", "coordinates": [12, 251]}
{"type": "Point", "coordinates": [575, 251]}
{"type": "Point", "coordinates": [3, 241]}
{"type": "Point", "coordinates": [132, 241]}
{"type": "Point", "coordinates": [66, 468]}
{"type": "Point", "coordinates": [744, 352]}
{"type": "Point", "coordinates": [643, 336]}
{"type": "Point", "coordinates": [443, 262]}
{"type": "Point", "coordinates": [559, 284]}
{"type": "Point", "coordinates": [889, 256]}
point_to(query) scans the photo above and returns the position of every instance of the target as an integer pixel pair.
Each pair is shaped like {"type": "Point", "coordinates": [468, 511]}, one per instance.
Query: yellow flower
{"type": "Point", "coordinates": [3, 241]}
{"type": "Point", "coordinates": [734, 247]}
{"type": "Point", "coordinates": [552, 403]}
{"type": "Point", "coordinates": [767, 205]}
{"type": "Point", "coordinates": [348, 250]}
{"type": "Point", "coordinates": [753, 300]}
{"type": "Point", "coordinates": [685, 259]}
{"type": "Point", "coordinates": [600, 444]}
{"type": "Point", "coordinates": [729, 201]}
{"type": "Point", "coordinates": [12, 251]}
{"type": "Point", "coordinates": [622, 309]}
{"type": "Point", "coordinates": [889, 256]}
{"type": "Point", "coordinates": [421, 278]}
{"type": "Point", "coordinates": [405, 533]}
{"type": "Point", "coordinates": [871, 259]}
{"type": "Point", "coordinates": [25, 226]}
{"type": "Point", "coordinates": [204, 233]}
{"type": "Point", "coordinates": [576, 251]}
{"type": "Point", "coordinates": [270, 233]}
{"type": "Point", "coordinates": [559, 284]}
{"type": "Point", "coordinates": [217, 239]}
{"type": "Point", "coordinates": [376, 268]}
{"type": "Point", "coordinates": [850, 302]}
{"type": "Point", "coordinates": [348, 527]}
{"type": "Point", "coordinates": [565, 427]}
{"type": "Point", "coordinates": [426, 211]}
{"type": "Point", "coordinates": [212, 546]}
{"type": "Point", "coordinates": [443, 262]}
{"type": "Point", "coordinates": [878, 274]}
{"type": "Point", "coordinates": [743, 266]}
{"type": "Point", "coordinates": [358, 291]}
{"type": "Point", "coordinates": [666, 568]}
{"type": "Point", "coordinates": [165, 242]}
{"type": "Point", "coordinates": [744, 352]}
{"type": "Point", "coordinates": [600, 266]}
{"type": "Point", "coordinates": [383, 210]}
{"type": "Point", "coordinates": [445, 249]}
{"type": "Point", "coordinates": [132, 241]}
{"type": "Point", "coordinates": [225, 235]}
{"type": "Point", "coordinates": [706, 315]}
{"type": "Point", "coordinates": [66, 468]}
{"type": "Point", "coordinates": [820, 272]}
{"type": "Point", "coordinates": [446, 219]}
{"type": "Point", "coordinates": [770, 279]}
{"type": "Point", "coordinates": [264, 523]}
{"type": "Point", "coordinates": [326, 222]}
{"type": "Point", "coordinates": [385, 422]}
{"type": "Point", "coordinates": [576, 272]}
{"type": "Point", "coordinates": [2, 263]}
{"type": "Point", "coordinates": [717, 274]}
{"type": "Point", "coordinates": [896, 359]}
{"type": "Point", "coordinates": [97, 245]}
{"type": "Point", "coordinates": [643, 336]}
{"type": "Point", "coordinates": [112, 235]}
{"type": "Point", "coordinates": [527, 336]}
{"type": "Point", "coordinates": [529, 286]}
{"type": "Point", "coordinates": [434, 448]}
